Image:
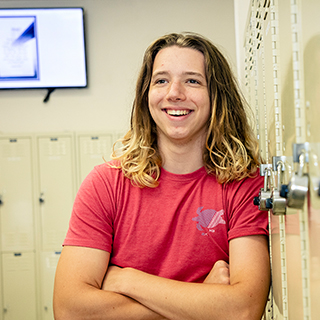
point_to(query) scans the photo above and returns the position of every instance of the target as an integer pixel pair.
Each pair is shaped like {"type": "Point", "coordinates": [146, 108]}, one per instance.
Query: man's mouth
{"type": "Point", "coordinates": [177, 113]}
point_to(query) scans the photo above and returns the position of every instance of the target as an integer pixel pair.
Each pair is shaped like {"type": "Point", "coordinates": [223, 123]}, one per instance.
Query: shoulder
{"type": "Point", "coordinates": [242, 193]}
{"type": "Point", "coordinates": [107, 170]}
{"type": "Point", "coordinates": [253, 182]}
{"type": "Point", "coordinates": [102, 177]}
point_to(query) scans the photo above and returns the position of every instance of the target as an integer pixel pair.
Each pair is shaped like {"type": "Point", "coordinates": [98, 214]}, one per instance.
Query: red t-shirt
{"type": "Point", "coordinates": [177, 230]}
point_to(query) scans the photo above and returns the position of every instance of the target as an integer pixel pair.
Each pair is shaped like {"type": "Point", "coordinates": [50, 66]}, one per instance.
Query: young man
{"type": "Point", "coordinates": [168, 229]}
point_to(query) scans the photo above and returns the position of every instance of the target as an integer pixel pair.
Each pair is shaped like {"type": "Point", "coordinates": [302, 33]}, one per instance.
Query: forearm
{"type": "Point", "coordinates": [90, 303]}
{"type": "Point", "coordinates": [77, 289]}
{"type": "Point", "coordinates": [181, 300]}
{"type": "Point", "coordinates": [243, 297]}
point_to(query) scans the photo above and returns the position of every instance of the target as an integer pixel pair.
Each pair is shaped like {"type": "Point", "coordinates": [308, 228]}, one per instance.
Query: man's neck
{"type": "Point", "coordinates": [181, 158]}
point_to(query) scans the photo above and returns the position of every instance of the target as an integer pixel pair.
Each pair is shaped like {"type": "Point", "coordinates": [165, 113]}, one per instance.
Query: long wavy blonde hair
{"type": "Point", "coordinates": [231, 151]}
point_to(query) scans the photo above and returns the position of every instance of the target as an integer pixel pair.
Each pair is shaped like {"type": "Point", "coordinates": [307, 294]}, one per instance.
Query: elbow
{"type": "Point", "coordinates": [251, 311]}
{"type": "Point", "coordinates": [61, 309]}
{"type": "Point", "coordinates": [250, 314]}
{"type": "Point", "coordinates": [251, 308]}
{"type": "Point", "coordinates": [59, 312]}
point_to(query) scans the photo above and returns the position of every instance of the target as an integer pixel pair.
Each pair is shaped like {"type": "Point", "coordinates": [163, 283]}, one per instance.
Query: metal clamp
{"type": "Point", "coordinates": [264, 199]}
{"type": "Point", "coordinates": [278, 202]}
{"type": "Point", "coordinates": [296, 190]}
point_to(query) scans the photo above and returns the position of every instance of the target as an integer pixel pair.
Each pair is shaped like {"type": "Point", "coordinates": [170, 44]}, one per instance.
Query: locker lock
{"type": "Point", "coordinates": [278, 202]}
{"type": "Point", "coordinates": [269, 196]}
{"type": "Point", "coordinates": [264, 199]}
{"type": "Point", "coordinates": [296, 190]}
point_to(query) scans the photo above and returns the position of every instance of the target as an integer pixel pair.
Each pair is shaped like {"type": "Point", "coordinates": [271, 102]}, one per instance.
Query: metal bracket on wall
{"type": "Point", "coordinates": [299, 149]}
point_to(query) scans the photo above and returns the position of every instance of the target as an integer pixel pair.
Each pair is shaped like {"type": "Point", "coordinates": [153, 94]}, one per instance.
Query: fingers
{"type": "Point", "coordinates": [219, 274]}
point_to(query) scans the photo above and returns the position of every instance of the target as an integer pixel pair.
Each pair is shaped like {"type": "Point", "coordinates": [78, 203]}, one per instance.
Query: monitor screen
{"type": "Point", "coordinates": [42, 48]}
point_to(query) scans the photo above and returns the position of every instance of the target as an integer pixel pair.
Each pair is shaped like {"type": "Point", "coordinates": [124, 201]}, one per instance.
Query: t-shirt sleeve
{"type": "Point", "coordinates": [91, 219]}
{"type": "Point", "coordinates": [244, 217]}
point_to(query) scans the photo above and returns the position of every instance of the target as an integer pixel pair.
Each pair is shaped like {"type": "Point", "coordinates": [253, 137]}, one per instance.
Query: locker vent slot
{"type": "Point", "coordinates": [13, 151]}
{"type": "Point", "coordinates": [18, 263]}
{"type": "Point", "coordinates": [51, 238]}
{"type": "Point", "coordinates": [16, 240]}
{"type": "Point", "coordinates": [55, 148]}
{"type": "Point", "coordinates": [52, 261]}
{"type": "Point", "coordinates": [96, 147]}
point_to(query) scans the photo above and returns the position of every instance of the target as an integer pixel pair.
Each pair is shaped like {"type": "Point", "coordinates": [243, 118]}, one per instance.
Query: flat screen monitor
{"type": "Point", "coordinates": [42, 48]}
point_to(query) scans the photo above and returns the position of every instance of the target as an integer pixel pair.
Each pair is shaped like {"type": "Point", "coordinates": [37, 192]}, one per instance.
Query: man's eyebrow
{"type": "Point", "coordinates": [159, 73]}
{"type": "Point", "coordinates": [188, 73]}
{"type": "Point", "coordinates": [193, 73]}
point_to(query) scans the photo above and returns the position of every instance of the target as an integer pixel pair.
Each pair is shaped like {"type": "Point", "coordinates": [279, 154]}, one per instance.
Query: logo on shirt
{"type": "Point", "coordinates": [208, 219]}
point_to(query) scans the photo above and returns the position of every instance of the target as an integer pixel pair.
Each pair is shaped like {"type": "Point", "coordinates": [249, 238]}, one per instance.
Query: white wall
{"type": "Point", "coordinates": [241, 10]}
{"type": "Point", "coordinates": [117, 33]}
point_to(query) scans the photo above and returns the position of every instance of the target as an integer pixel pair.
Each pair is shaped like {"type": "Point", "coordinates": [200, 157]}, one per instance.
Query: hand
{"type": "Point", "coordinates": [219, 274]}
{"type": "Point", "coordinates": [112, 278]}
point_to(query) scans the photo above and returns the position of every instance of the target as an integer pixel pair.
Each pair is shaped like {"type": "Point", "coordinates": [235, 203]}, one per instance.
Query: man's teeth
{"type": "Point", "coordinates": [178, 112]}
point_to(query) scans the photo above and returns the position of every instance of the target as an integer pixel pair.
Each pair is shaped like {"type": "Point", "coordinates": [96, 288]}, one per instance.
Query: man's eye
{"type": "Point", "coordinates": [161, 81]}
{"type": "Point", "coordinates": [193, 81]}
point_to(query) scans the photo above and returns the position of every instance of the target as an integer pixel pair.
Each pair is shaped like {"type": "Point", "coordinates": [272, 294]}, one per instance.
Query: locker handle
{"type": "Point", "coordinates": [41, 197]}
{"type": "Point", "coordinates": [1, 202]}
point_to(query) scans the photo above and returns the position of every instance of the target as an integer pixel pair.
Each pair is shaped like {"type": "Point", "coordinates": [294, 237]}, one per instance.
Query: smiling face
{"type": "Point", "coordinates": [178, 97]}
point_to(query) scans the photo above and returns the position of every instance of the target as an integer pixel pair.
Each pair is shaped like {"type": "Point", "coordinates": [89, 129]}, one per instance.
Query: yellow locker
{"type": "Point", "coordinates": [57, 188]}
{"type": "Point", "coordinates": [282, 47]}
{"type": "Point", "coordinates": [19, 289]}
{"type": "Point", "coordinates": [92, 149]}
{"type": "Point", "coordinates": [16, 195]}
{"type": "Point", "coordinates": [309, 13]}
{"type": "Point", "coordinates": [49, 261]}
{"type": "Point", "coordinates": [1, 286]}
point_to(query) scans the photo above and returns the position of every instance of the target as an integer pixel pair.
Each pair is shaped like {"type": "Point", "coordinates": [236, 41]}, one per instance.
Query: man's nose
{"type": "Point", "coordinates": [176, 91]}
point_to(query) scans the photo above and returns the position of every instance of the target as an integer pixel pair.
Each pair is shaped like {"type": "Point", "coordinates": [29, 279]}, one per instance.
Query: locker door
{"type": "Point", "coordinates": [291, 116]}
{"type": "Point", "coordinates": [286, 240]}
{"type": "Point", "coordinates": [269, 33]}
{"type": "Point", "coordinates": [1, 286]}
{"type": "Point", "coordinates": [19, 292]}
{"type": "Point", "coordinates": [16, 210]}
{"type": "Point", "coordinates": [56, 171]}
{"type": "Point", "coordinates": [49, 261]}
{"type": "Point", "coordinates": [310, 39]}
{"type": "Point", "coordinates": [92, 150]}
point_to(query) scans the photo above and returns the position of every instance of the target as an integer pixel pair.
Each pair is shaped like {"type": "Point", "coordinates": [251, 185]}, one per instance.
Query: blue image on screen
{"type": "Point", "coordinates": [18, 48]}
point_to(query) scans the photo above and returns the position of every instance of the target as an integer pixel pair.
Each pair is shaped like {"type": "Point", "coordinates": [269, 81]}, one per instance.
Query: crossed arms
{"type": "Point", "coordinates": [85, 288]}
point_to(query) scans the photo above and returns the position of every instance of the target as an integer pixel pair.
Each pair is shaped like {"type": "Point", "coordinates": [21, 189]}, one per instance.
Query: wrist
{"type": "Point", "coordinates": [129, 281]}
